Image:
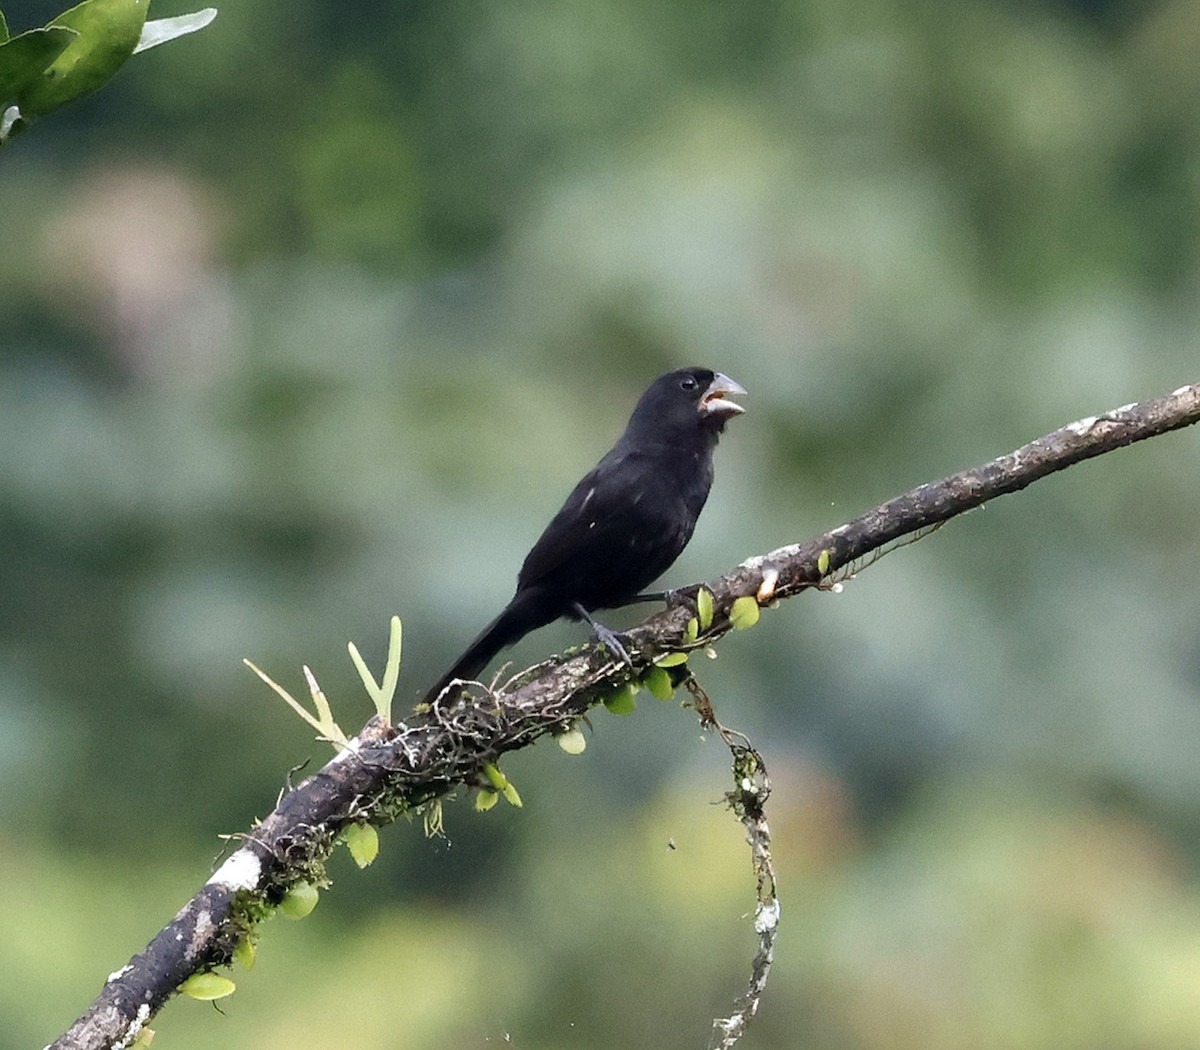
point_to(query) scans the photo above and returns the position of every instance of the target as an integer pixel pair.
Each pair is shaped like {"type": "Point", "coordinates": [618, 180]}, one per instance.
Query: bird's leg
{"type": "Point", "coordinates": [604, 636]}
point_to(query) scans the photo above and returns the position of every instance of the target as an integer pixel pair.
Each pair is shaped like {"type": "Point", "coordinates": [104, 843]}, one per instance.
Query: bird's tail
{"type": "Point", "coordinates": [519, 617]}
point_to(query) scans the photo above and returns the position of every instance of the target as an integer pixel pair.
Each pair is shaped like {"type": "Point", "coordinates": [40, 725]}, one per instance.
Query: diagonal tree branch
{"type": "Point", "coordinates": [390, 769]}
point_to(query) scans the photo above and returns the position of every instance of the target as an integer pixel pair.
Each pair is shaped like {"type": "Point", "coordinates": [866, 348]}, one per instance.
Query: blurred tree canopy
{"type": "Point", "coordinates": [316, 316]}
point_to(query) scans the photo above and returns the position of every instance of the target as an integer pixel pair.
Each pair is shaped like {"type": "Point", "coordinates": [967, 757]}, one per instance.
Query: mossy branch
{"type": "Point", "coordinates": [389, 769]}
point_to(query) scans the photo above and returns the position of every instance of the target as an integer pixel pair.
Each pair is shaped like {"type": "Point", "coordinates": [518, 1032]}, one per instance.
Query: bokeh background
{"type": "Point", "coordinates": [316, 316]}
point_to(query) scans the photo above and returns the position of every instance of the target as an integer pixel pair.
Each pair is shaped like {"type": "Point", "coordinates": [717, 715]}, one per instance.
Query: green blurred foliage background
{"type": "Point", "coordinates": [316, 316]}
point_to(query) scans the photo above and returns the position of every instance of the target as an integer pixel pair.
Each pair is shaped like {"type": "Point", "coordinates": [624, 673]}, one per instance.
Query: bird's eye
{"type": "Point", "coordinates": [688, 383]}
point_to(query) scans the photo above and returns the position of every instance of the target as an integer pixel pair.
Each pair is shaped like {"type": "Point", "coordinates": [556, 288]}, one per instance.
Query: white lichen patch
{"type": "Point", "coordinates": [781, 554]}
{"type": "Point", "coordinates": [241, 871]}
{"type": "Point", "coordinates": [202, 931]}
{"type": "Point", "coordinates": [135, 1028]}
{"type": "Point", "coordinates": [1081, 426]}
{"type": "Point", "coordinates": [116, 975]}
{"type": "Point", "coordinates": [350, 750]}
{"type": "Point", "coordinates": [766, 917]}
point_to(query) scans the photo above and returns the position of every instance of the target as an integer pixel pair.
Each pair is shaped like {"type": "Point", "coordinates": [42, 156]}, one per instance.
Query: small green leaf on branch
{"type": "Point", "coordinates": [659, 683]}
{"type": "Point", "coordinates": [502, 784]}
{"type": "Point", "coordinates": [246, 952]}
{"type": "Point", "coordinates": [362, 840]}
{"type": "Point", "coordinates": [621, 701]}
{"type": "Point", "coordinates": [208, 986]}
{"type": "Point", "coordinates": [744, 612]}
{"type": "Point", "coordinates": [324, 723]}
{"type": "Point", "coordinates": [381, 693]}
{"type": "Point", "coordinates": [573, 742]}
{"type": "Point", "coordinates": [300, 900]}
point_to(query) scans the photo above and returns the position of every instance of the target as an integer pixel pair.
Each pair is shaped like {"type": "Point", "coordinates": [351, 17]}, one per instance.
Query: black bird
{"type": "Point", "coordinates": [624, 524]}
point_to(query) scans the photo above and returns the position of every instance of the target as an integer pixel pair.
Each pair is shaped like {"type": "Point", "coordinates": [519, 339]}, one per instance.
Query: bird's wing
{"type": "Point", "coordinates": [622, 511]}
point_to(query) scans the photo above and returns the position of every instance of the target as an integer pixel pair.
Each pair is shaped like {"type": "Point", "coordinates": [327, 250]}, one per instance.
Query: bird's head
{"type": "Point", "coordinates": [688, 401]}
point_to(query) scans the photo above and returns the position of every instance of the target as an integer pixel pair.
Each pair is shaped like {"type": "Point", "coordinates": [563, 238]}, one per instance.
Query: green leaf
{"type": "Point", "coordinates": [485, 800]}
{"type": "Point", "coordinates": [3, 28]}
{"type": "Point", "coordinates": [160, 30]}
{"type": "Point", "coordinates": [300, 900]}
{"type": "Point", "coordinates": [659, 683]}
{"type": "Point", "coordinates": [671, 659]}
{"type": "Point", "coordinates": [108, 32]}
{"type": "Point", "coordinates": [325, 725]}
{"type": "Point", "coordinates": [246, 952]}
{"type": "Point", "coordinates": [573, 742]}
{"type": "Point", "coordinates": [391, 670]}
{"type": "Point", "coordinates": [744, 612]}
{"type": "Point", "coordinates": [704, 608]}
{"type": "Point", "coordinates": [693, 630]}
{"type": "Point", "coordinates": [621, 701]}
{"type": "Point", "coordinates": [382, 692]}
{"type": "Point", "coordinates": [509, 791]}
{"type": "Point", "coordinates": [362, 840]}
{"type": "Point", "coordinates": [208, 986]}
{"type": "Point", "coordinates": [823, 561]}
{"type": "Point", "coordinates": [501, 783]}
{"type": "Point", "coordinates": [24, 58]}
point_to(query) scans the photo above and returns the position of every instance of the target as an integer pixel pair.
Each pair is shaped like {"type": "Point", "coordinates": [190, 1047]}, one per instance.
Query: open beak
{"type": "Point", "coordinates": [715, 400]}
